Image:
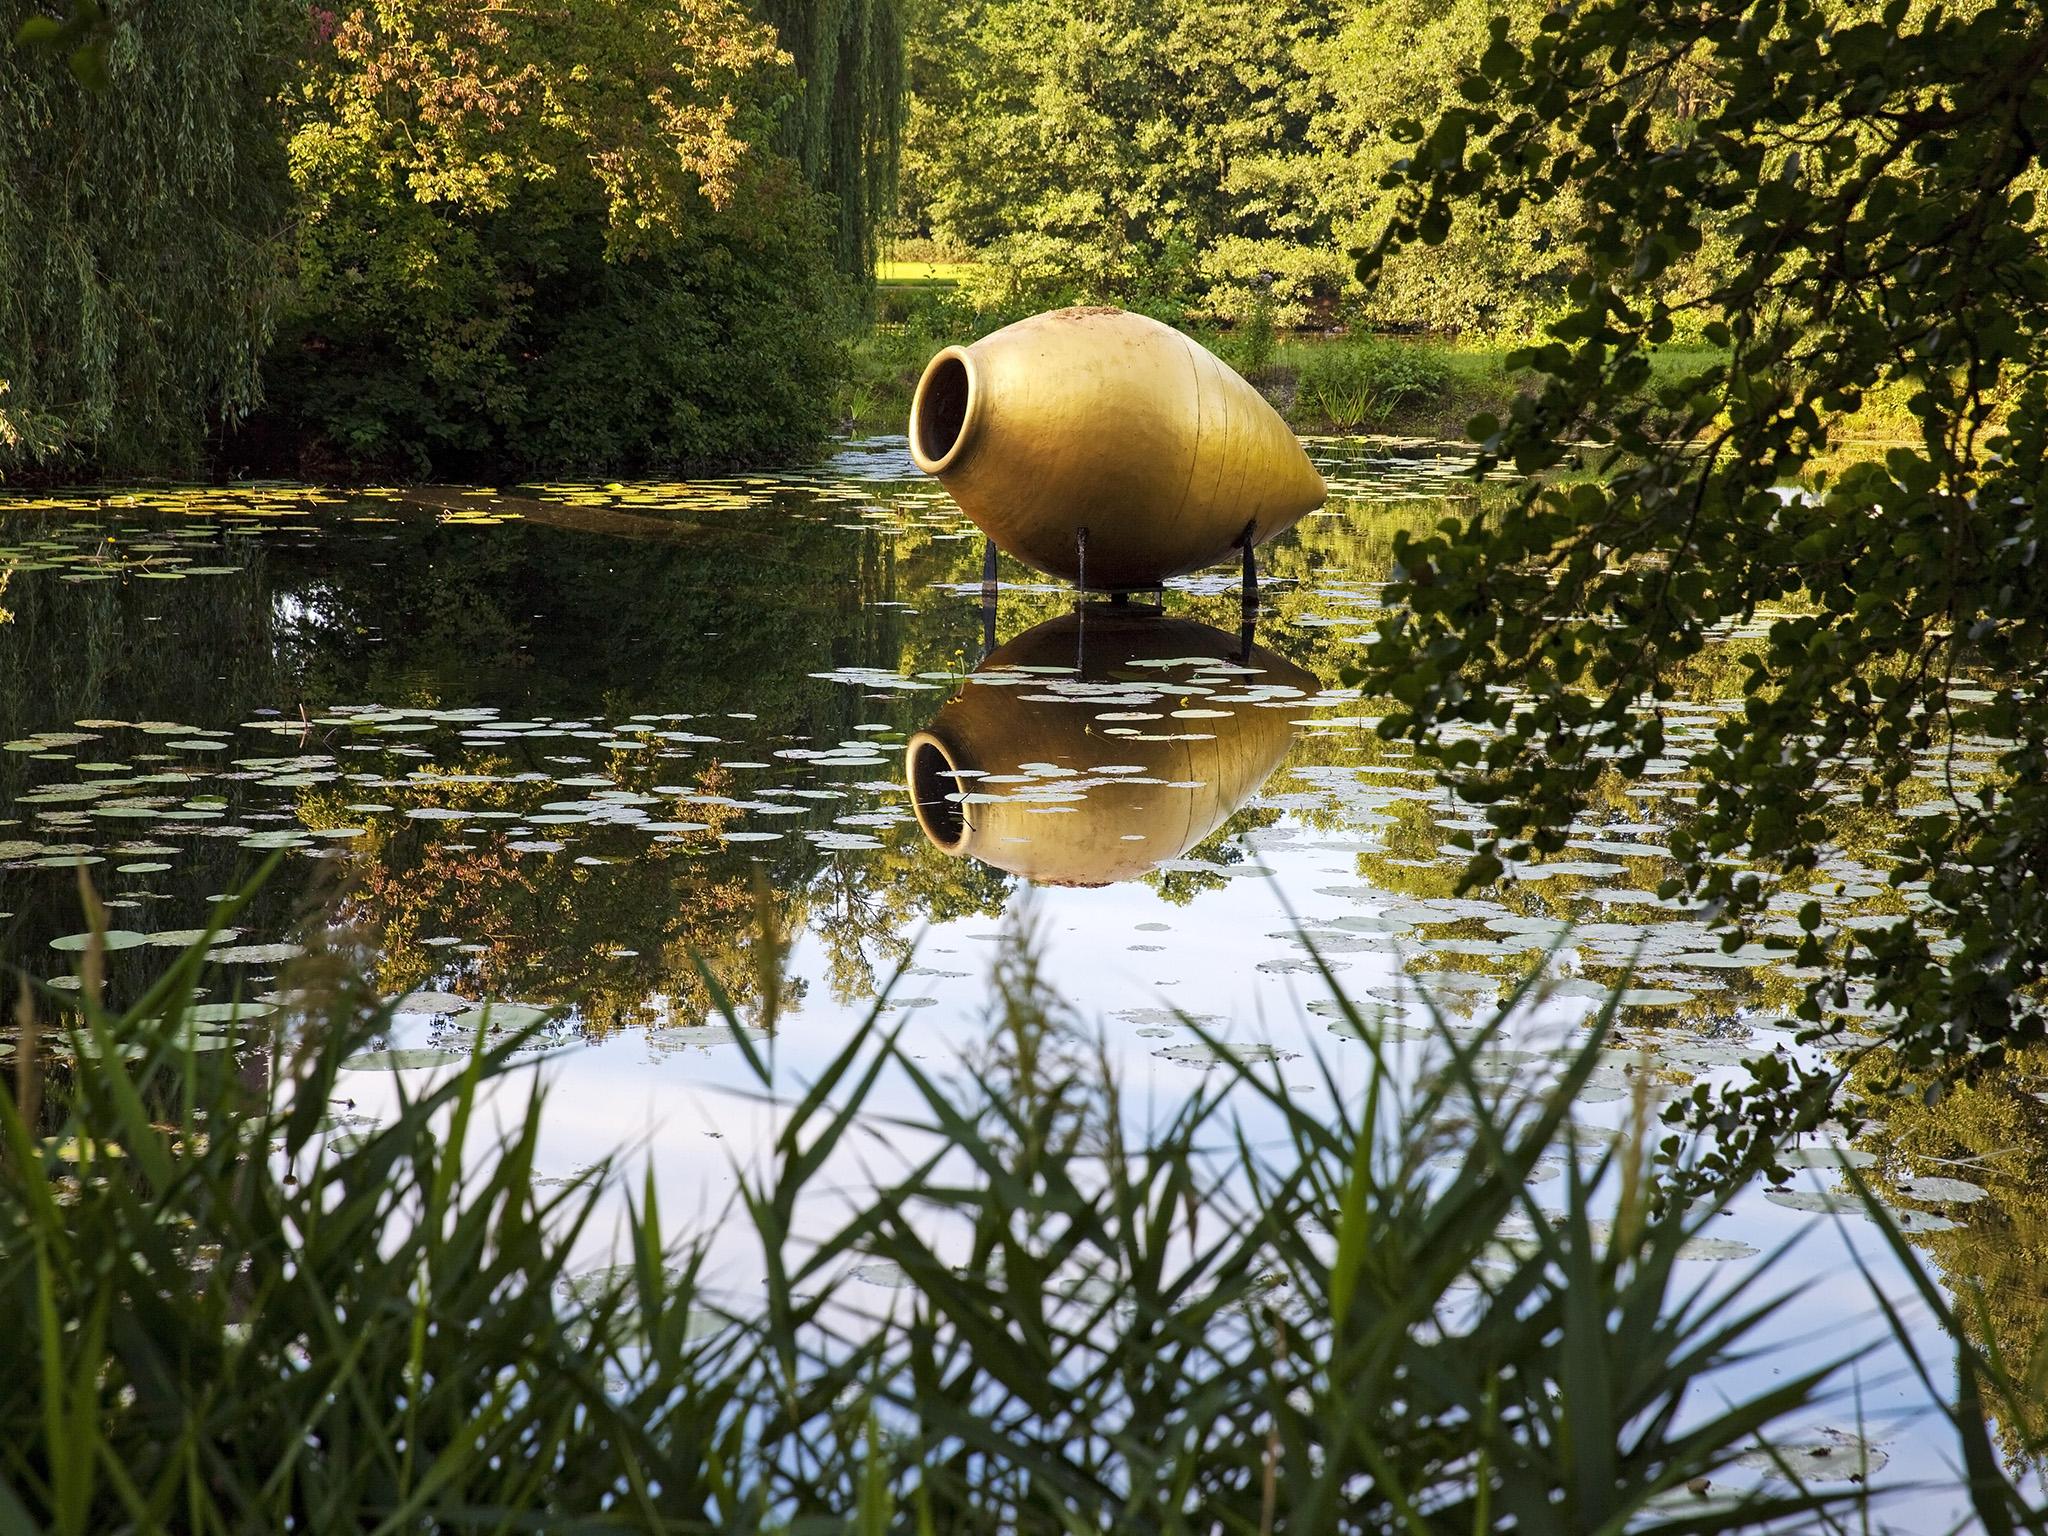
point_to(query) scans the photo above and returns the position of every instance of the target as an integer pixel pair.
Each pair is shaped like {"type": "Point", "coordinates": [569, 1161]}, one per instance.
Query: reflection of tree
{"type": "Point", "coordinates": [539, 925]}
{"type": "Point", "coordinates": [1992, 1131]}
{"type": "Point", "coordinates": [1222, 847]}
{"type": "Point", "coordinates": [200, 649]}
{"type": "Point", "coordinates": [733, 615]}
{"type": "Point", "coordinates": [869, 908]}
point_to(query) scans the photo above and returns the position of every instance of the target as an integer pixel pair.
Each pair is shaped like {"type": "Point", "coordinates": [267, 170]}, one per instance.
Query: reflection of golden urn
{"type": "Point", "coordinates": [1101, 420]}
{"type": "Point", "coordinates": [1090, 777]}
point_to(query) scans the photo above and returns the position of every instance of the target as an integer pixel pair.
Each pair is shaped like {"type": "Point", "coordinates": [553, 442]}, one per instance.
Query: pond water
{"type": "Point", "coordinates": [558, 747]}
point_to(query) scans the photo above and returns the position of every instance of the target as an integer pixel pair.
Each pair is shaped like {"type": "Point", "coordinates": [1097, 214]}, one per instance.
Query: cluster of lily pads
{"type": "Point", "coordinates": [1349, 819]}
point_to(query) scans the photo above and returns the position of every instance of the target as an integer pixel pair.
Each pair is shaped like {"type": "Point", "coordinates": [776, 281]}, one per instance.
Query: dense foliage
{"type": "Point", "coordinates": [1165, 155]}
{"type": "Point", "coordinates": [846, 128]}
{"type": "Point", "coordinates": [138, 228]}
{"type": "Point", "coordinates": [1877, 175]}
{"type": "Point", "coordinates": [549, 238]}
{"type": "Point", "coordinates": [486, 238]}
{"type": "Point", "coordinates": [1118, 151]}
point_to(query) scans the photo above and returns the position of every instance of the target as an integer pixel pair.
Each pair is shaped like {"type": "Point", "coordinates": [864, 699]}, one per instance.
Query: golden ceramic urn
{"type": "Point", "coordinates": [1102, 420]}
{"type": "Point", "coordinates": [1103, 772]}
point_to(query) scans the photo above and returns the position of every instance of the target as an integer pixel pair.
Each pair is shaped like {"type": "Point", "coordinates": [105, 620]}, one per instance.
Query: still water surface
{"type": "Point", "coordinates": [550, 748]}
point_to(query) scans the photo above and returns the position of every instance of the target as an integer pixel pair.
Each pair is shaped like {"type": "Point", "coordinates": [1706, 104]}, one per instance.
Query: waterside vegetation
{"type": "Point", "coordinates": [1744, 306]}
{"type": "Point", "coordinates": [1048, 1312]}
{"type": "Point", "coordinates": [434, 235]}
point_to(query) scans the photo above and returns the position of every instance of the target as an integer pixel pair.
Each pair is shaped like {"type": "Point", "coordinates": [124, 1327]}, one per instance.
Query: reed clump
{"type": "Point", "coordinates": [229, 1312]}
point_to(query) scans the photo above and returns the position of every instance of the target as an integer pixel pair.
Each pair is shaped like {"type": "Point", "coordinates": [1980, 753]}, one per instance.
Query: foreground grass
{"type": "Point", "coordinates": [229, 1318]}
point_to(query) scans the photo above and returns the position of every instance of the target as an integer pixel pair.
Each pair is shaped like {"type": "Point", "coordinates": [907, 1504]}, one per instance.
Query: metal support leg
{"type": "Point", "coordinates": [988, 597]}
{"type": "Point", "coordinates": [1081, 561]}
{"type": "Point", "coordinates": [1248, 618]}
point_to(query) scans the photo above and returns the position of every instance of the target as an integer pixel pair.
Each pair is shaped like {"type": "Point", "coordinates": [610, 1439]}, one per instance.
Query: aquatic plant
{"type": "Point", "coordinates": [243, 1309]}
{"type": "Point", "coordinates": [1360, 383]}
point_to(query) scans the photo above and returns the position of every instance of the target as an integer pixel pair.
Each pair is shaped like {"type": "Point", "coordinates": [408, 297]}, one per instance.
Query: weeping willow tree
{"type": "Point", "coordinates": [847, 123]}
{"type": "Point", "coordinates": [138, 225]}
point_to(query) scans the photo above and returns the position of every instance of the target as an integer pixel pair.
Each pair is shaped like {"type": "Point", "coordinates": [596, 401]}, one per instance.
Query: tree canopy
{"type": "Point", "coordinates": [545, 238]}
{"type": "Point", "coordinates": [1168, 154]}
{"type": "Point", "coordinates": [846, 126]}
{"type": "Point", "coordinates": [138, 229]}
{"type": "Point", "coordinates": [1874, 175]}
{"type": "Point", "coordinates": [434, 234]}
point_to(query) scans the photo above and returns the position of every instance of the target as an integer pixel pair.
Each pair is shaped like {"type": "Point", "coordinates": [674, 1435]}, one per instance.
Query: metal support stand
{"type": "Point", "coordinates": [988, 597]}
{"type": "Point", "coordinates": [1081, 600]}
{"type": "Point", "coordinates": [1248, 616]}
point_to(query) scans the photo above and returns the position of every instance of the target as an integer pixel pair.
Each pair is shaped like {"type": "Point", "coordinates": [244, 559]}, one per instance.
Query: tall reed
{"type": "Point", "coordinates": [227, 1313]}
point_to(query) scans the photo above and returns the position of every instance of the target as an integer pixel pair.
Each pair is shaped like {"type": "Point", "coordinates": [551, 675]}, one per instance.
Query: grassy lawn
{"type": "Point", "coordinates": [1407, 387]}
{"type": "Point", "coordinates": [923, 274]}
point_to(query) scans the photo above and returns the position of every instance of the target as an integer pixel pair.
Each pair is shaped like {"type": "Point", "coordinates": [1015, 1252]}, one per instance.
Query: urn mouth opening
{"type": "Point", "coordinates": [943, 413]}
{"type": "Point", "coordinates": [943, 818]}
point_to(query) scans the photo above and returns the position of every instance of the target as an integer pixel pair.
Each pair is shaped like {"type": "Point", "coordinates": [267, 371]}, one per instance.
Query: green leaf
{"type": "Point", "coordinates": [89, 65]}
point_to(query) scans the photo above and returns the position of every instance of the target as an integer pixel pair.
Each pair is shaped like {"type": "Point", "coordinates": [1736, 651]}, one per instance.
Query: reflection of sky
{"type": "Point", "coordinates": [1343, 836]}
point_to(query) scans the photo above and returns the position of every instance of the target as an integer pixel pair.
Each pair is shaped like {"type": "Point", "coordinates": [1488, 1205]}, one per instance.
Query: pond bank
{"type": "Point", "coordinates": [1398, 386]}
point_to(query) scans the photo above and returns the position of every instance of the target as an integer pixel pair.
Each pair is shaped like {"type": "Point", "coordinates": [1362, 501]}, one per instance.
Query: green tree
{"type": "Point", "coordinates": [536, 238]}
{"type": "Point", "coordinates": [138, 225]}
{"type": "Point", "coordinates": [1874, 174]}
{"type": "Point", "coordinates": [846, 125]}
{"type": "Point", "coordinates": [1131, 150]}
{"type": "Point", "coordinates": [1396, 60]}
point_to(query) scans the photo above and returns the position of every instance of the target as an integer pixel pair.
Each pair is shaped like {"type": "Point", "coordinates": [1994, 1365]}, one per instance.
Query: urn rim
{"type": "Point", "coordinates": [945, 411]}
{"type": "Point", "coordinates": [934, 795]}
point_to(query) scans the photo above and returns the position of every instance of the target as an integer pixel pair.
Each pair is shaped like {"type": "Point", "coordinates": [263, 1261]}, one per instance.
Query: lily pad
{"type": "Point", "coordinates": [1847, 1203]}
{"type": "Point", "coordinates": [113, 938]}
{"type": "Point", "coordinates": [1831, 1456]}
{"type": "Point", "coordinates": [1826, 1157]}
{"type": "Point", "coordinates": [1941, 1191]}
{"type": "Point", "coordinates": [246, 1010]}
{"type": "Point", "coordinates": [701, 1036]}
{"type": "Point", "coordinates": [502, 1015]}
{"type": "Point", "coordinates": [1196, 1054]}
{"type": "Point", "coordinates": [185, 938]}
{"type": "Point", "coordinates": [403, 1060]}
{"type": "Point", "coordinates": [256, 954]}
{"type": "Point", "coordinates": [883, 1272]}
{"type": "Point", "coordinates": [1715, 1249]}
{"type": "Point", "coordinates": [431, 1002]}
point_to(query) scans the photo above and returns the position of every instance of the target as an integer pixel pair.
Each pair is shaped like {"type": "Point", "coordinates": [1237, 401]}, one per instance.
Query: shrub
{"type": "Point", "coordinates": [552, 240]}
{"type": "Point", "coordinates": [1356, 383]}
